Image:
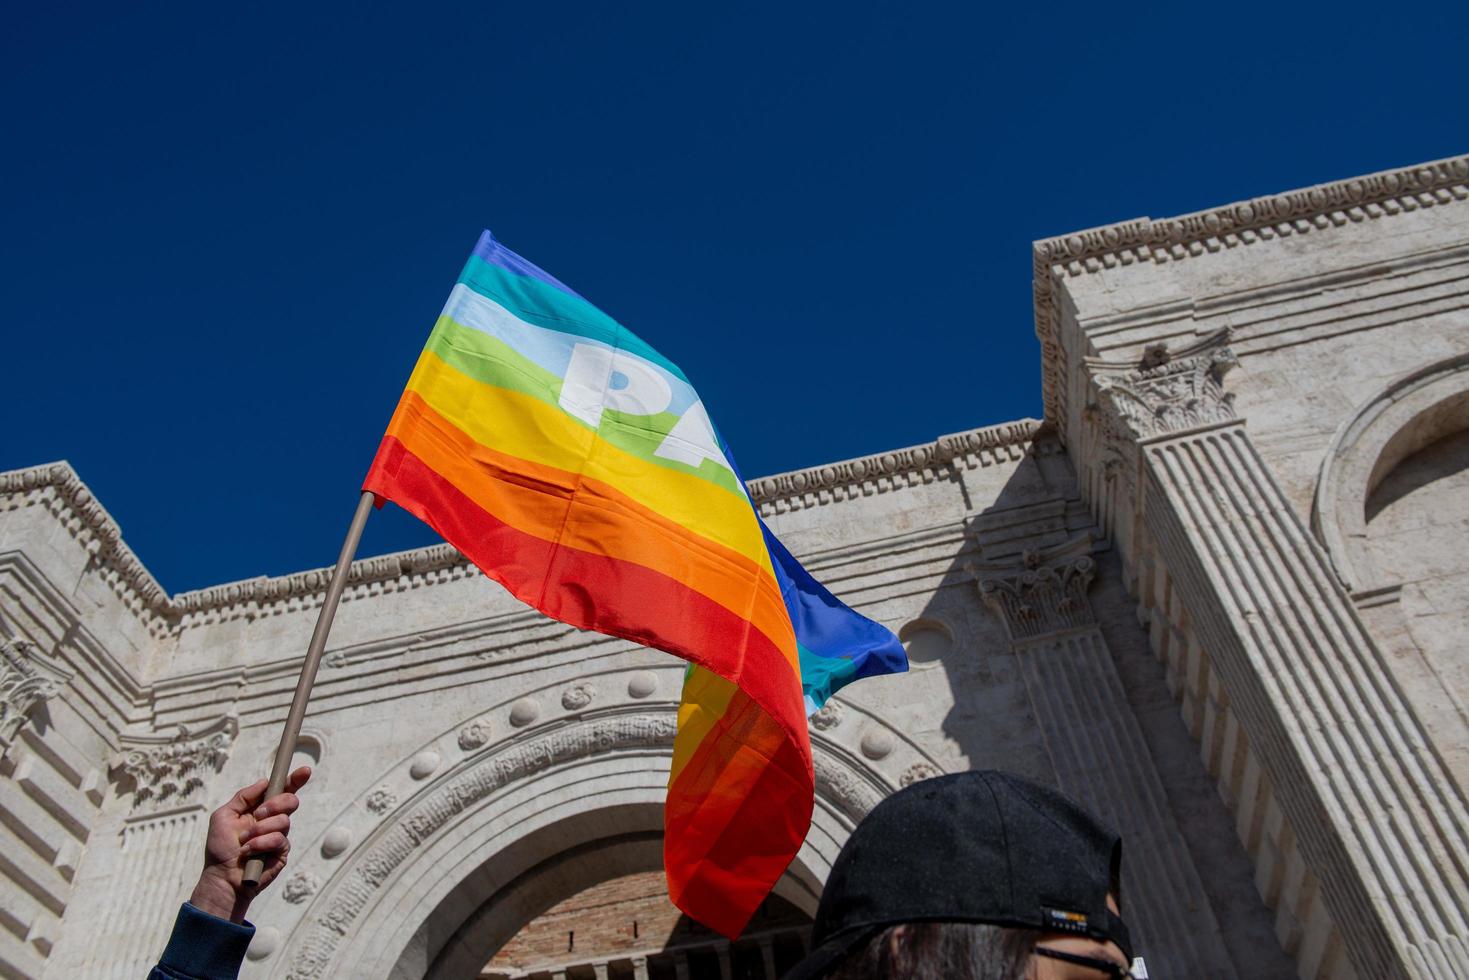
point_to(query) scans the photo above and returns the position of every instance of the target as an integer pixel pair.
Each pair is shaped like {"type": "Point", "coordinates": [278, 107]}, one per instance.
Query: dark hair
{"type": "Point", "coordinates": [953, 950]}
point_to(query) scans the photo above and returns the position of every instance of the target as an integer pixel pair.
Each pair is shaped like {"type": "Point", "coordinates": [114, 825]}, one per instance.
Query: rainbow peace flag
{"type": "Point", "coordinates": [576, 466]}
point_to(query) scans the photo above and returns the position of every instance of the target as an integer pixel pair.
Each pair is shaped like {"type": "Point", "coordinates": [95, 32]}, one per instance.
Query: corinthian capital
{"type": "Point", "coordinates": [1167, 390]}
{"type": "Point", "coordinates": [27, 679]}
{"type": "Point", "coordinates": [171, 770]}
{"type": "Point", "coordinates": [1044, 592]}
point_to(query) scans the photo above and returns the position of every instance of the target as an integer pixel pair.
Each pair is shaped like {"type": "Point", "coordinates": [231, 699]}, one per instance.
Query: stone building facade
{"type": "Point", "coordinates": [1220, 595]}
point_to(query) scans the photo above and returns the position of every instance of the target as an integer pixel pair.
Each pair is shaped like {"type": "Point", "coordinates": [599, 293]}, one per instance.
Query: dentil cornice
{"type": "Point", "coordinates": [56, 487]}
{"type": "Point", "coordinates": [1297, 212]}
{"type": "Point", "coordinates": [881, 472]}
{"type": "Point", "coordinates": [61, 491]}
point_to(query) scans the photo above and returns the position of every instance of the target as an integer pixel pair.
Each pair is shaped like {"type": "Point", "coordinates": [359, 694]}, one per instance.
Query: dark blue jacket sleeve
{"type": "Point", "coordinates": [203, 947]}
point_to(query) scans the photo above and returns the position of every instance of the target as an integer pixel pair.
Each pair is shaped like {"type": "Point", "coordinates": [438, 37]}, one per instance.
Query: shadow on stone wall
{"type": "Point", "coordinates": [1052, 678]}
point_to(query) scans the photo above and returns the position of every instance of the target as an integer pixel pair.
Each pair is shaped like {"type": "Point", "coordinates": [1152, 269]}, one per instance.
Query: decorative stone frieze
{"type": "Point", "coordinates": [577, 697]}
{"type": "Point", "coordinates": [918, 772]}
{"type": "Point", "coordinates": [300, 886]}
{"type": "Point", "coordinates": [56, 487]}
{"type": "Point", "coordinates": [27, 679]}
{"type": "Point", "coordinates": [829, 717]}
{"type": "Point", "coordinates": [883, 472]}
{"type": "Point", "coordinates": [169, 771]}
{"type": "Point", "coordinates": [851, 794]}
{"type": "Point", "coordinates": [381, 800]}
{"type": "Point", "coordinates": [354, 889]}
{"type": "Point", "coordinates": [1167, 391]}
{"type": "Point", "coordinates": [474, 735]}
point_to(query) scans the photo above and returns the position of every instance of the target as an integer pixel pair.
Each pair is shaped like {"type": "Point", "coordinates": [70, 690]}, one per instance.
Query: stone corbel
{"type": "Point", "coordinates": [1043, 592]}
{"type": "Point", "coordinates": [1166, 391]}
{"type": "Point", "coordinates": [28, 678]}
{"type": "Point", "coordinates": [171, 771]}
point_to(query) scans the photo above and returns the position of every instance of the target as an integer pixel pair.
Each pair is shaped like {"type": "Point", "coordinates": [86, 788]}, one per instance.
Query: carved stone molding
{"type": "Point", "coordinates": [918, 772]}
{"type": "Point", "coordinates": [577, 697]}
{"type": "Point", "coordinates": [882, 472]}
{"type": "Point", "coordinates": [1166, 391]}
{"type": "Point", "coordinates": [381, 800]}
{"type": "Point", "coordinates": [1276, 215]}
{"type": "Point", "coordinates": [57, 486]}
{"type": "Point", "coordinates": [347, 894]}
{"type": "Point", "coordinates": [1395, 422]}
{"type": "Point", "coordinates": [169, 771]}
{"type": "Point", "coordinates": [474, 735]}
{"type": "Point", "coordinates": [419, 820]}
{"type": "Point", "coordinates": [1298, 212]}
{"type": "Point", "coordinates": [27, 679]}
{"type": "Point", "coordinates": [839, 784]}
{"type": "Point", "coordinates": [1043, 593]}
{"type": "Point", "coordinates": [829, 717]}
{"type": "Point", "coordinates": [301, 886]}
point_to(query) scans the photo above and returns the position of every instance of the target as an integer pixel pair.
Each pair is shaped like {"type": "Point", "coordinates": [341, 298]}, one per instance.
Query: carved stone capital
{"type": "Point", "coordinates": [27, 678]}
{"type": "Point", "coordinates": [169, 771]}
{"type": "Point", "coordinates": [1044, 592]}
{"type": "Point", "coordinates": [1165, 391]}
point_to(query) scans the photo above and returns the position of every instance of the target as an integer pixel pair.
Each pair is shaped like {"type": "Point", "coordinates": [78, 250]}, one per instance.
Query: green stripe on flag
{"type": "Point", "coordinates": [491, 361]}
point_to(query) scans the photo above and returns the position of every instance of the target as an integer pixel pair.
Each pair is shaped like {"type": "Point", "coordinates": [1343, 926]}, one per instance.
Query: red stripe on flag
{"type": "Point", "coordinates": [736, 816]}
{"type": "Point", "coordinates": [612, 596]}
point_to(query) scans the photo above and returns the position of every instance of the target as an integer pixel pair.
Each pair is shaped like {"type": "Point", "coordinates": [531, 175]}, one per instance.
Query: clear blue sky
{"type": "Point", "coordinates": [228, 229]}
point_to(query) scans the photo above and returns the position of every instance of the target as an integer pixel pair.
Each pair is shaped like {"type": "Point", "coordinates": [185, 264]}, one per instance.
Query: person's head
{"type": "Point", "coordinates": [972, 875]}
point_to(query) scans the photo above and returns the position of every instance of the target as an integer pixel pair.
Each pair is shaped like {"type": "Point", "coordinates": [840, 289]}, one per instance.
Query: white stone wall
{"type": "Point", "coordinates": [1215, 596]}
{"type": "Point", "coordinates": [1233, 387]}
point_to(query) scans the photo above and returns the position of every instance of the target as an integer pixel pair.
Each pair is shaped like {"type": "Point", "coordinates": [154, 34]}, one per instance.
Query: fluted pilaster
{"type": "Point", "coordinates": [162, 841]}
{"type": "Point", "coordinates": [1098, 752]}
{"type": "Point", "coordinates": [1370, 805]}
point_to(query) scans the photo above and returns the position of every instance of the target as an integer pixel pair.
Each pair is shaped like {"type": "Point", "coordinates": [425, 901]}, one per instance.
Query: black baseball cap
{"type": "Point", "coordinates": [978, 846]}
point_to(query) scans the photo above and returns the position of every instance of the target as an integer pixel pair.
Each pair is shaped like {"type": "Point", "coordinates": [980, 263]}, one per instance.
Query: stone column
{"type": "Point", "coordinates": [640, 968]}
{"type": "Point", "coordinates": [767, 956]}
{"type": "Point", "coordinates": [726, 965]}
{"type": "Point", "coordinates": [1371, 806]}
{"type": "Point", "coordinates": [1098, 751]}
{"type": "Point", "coordinates": [162, 842]}
{"type": "Point", "coordinates": [681, 965]}
{"type": "Point", "coordinates": [599, 970]}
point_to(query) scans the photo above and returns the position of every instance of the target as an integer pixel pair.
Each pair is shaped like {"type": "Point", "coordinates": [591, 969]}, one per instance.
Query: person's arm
{"type": "Point", "coordinates": [210, 935]}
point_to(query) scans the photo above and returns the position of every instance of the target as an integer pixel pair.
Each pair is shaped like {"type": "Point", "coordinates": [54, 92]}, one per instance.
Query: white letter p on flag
{"type": "Point", "coordinates": [587, 388]}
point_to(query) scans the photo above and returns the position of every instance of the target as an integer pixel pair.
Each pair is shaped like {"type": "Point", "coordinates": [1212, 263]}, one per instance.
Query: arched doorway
{"type": "Point", "coordinates": [627, 929]}
{"type": "Point", "coordinates": [505, 835]}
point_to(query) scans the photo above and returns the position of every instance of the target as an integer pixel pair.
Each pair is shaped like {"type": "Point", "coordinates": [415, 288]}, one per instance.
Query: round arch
{"type": "Point", "coordinates": [1392, 425]}
{"type": "Point", "coordinates": [517, 827]}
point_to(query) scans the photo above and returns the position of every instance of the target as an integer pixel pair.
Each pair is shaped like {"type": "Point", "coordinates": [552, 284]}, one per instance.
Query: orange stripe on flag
{"type": "Point", "coordinates": [554, 505]}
